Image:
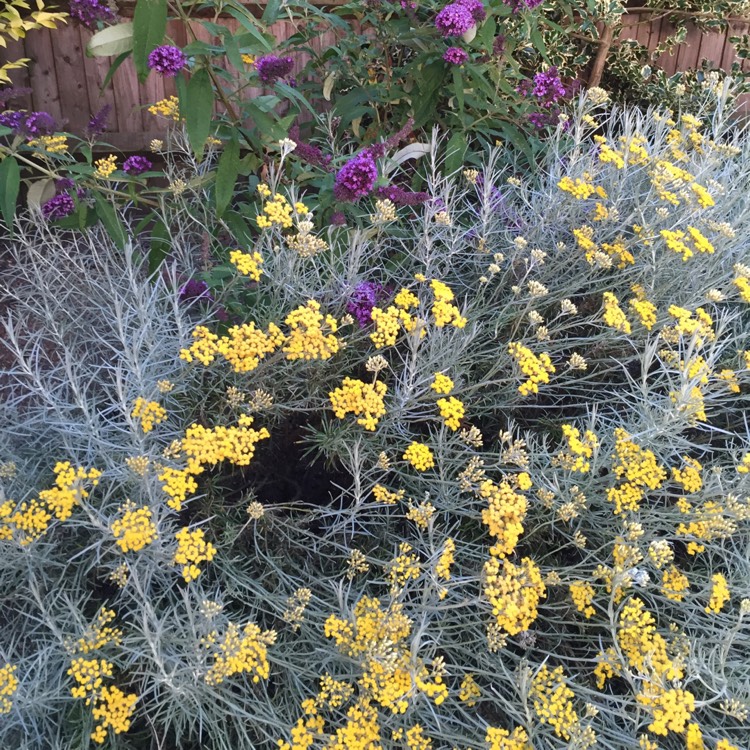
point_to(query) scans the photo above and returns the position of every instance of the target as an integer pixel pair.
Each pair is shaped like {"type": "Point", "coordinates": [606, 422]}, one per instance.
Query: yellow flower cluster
{"type": "Point", "coordinates": [443, 384]}
{"type": "Point", "coordinates": [239, 651]}
{"type": "Point", "coordinates": [178, 485]}
{"type": "Point", "coordinates": [513, 593]}
{"type": "Point", "coordinates": [502, 739]}
{"type": "Point", "coordinates": [377, 636]}
{"type": "Point", "coordinates": [149, 412]}
{"type": "Point", "coordinates": [446, 560]}
{"type": "Point", "coordinates": [689, 477]}
{"type": "Point", "coordinates": [69, 489]}
{"type": "Point", "coordinates": [312, 335]}
{"type": "Point", "coordinates": [582, 594]}
{"type": "Point", "coordinates": [278, 210]}
{"type": "Point", "coordinates": [469, 691]}
{"type": "Point", "coordinates": [671, 709]}
{"type": "Point", "coordinates": [365, 400]}
{"type": "Point", "coordinates": [743, 287]}
{"type": "Point", "coordinates": [52, 144]}
{"type": "Point", "coordinates": [674, 583]}
{"type": "Point", "coordinates": [8, 687]}
{"type": "Point", "coordinates": [361, 731]}
{"type": "Point", "coordinates": [169, 107]}
{"type": "Point", "coordinates": [402, 568]}
{"type": "Point", "coordinates": [135, 529]}
{"type": "Point", "coordinates": [504, 515]}
{"type": "Point", "coordinates": [248, 264]}
{"type": "Point", "coordinates": [419, 456]}
{"type": "Point", "coordinates": [244, 346]}
{"type": "Point", "coordinates": [644, 649]}
{"type": "Point", "coordinates": [89, 674]}
{"type": "Point", "coordinates": [26, 522]}
{"type": "Point", "coordinates": [687, 326]}
{"type": "Point", "coordinates": [385, 496]}
{"type": "Point", "coordinates": [443, 311]}
{"type": "Point", "coordinates": [205, 446]}
{"type": "Point", "coordinates": [296, 604]}
{"type": "Point", "coordinates": [710, 521]}
{"type": "Point", "coordinates": [98, 634]}
{"type": "Point", "coordinates": [305, 243]}
{"type": "Point", "coordinates": [388, 325]}
{"type": "Point", "coordinates": [536, 369]}
{"type": "Point", "coordinates": [113, 710]}
{"type": "Point", "coordinates": [106, 166]}
{"type": "Point", "coordinates": [553, 701]}
{"type": "Point", "coordinates": [638, 468]}
{"type": "Point", "coordinates": [719, 594]}
{"type": "Point", "coordinates": [192, 548]}
{"type": "Point", "coordinates": [414, 738]}
{"type": "Point", "coordinates": [579, 188]}
{"type": "Point", "coordinates": [421, 514]}
{"type": "Point", "coordinates": [579, 450]}
{"type": "Point", "coordinates": [614, 316]}
{"type": "Point", "coordinates": [452, 411]}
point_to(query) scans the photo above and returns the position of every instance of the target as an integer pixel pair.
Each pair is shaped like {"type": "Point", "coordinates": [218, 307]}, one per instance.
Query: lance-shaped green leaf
{"type": "Point", "coordinates": [226, 176]}
{"type": "Point", "coordinates": [149, 27]}
{"type": "Point", "coordinates": [10, 182]}
{"type": "Point", "coordinates": [198, 107]}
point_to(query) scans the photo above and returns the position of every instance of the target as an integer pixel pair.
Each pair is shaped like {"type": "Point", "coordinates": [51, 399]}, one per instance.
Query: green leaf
{"type": "Point", "coordinates": [458, 88]}
{"type": "Point", "coordinates": [249, 24]}
{"type": "Point", "coordinates": [454, 152]}
{"type": "Point", "coordinates": [149, 28]}
{"type": "Point", "coordinates": [199, 104]}
{"type": "Point", "coordinates": [119, 60]}
{"type": "Point", "coordinates": [292, 93]}
{"type": "Point", "coordinates": [114, 40]}
{"type": "Point", "coordinates": [111, 221]}
{"type": "Point", "coordinates": [233, 50]}
{"type": "Point", "coordinates": [271, 13]}
{"type": "Point", "coordinates": [265, 124]}
{"type": "Point", "coordinates": [10, 182]}
{"type": "Point", "coordinates": [238, 227]}
{"type": "Point", "coordinates": [226, 175]}
{"type": "Point", "coordinates": [431, 80]}
{"type": "Point", "coordinates": [160, 246]}
{"type": "Point", "coordinates": [538, 41]}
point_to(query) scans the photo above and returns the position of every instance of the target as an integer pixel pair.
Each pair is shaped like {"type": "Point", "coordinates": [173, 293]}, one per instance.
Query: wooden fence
{"type": "Point", "coordinates": [67, 84]}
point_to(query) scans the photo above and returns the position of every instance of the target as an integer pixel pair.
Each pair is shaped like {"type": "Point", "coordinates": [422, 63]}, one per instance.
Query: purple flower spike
{"type": "Point", "coordinates": [194, 289]}
{"type": "Point", "coordinates": [476, 8]}
{"type": "Point", "coordinates": [90, 12]}
{"type": "Point", "coordinates": [548, 87]}
{"type": "Point", "coordinates": [167, 60]}
{"type": "Point", "coordinates": [135, 165]}
{"type": "Point", "coordinates": [356, 178]}
{"type": "Point", "coordinates": [402, 197]}
{"type": "Point", "coordinates": [59, 207]}
{"type": "Point", "coordinates": [98, 123]}
{"type": "Point", "coordinates": [366, 295]}
{"type": "Point", "coordinates": [454, 20]}
{"type": "Point", "coordinates": [271, 68]}
{"type": "Point", "coordinates": [455, 56]}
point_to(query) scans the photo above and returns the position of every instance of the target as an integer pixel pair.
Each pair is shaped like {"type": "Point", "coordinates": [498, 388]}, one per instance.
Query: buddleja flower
{"type": "Point", "coordinates": [167, 60]}
{"type": "Point", "coordinates": [366, 295]}
{"type": "Point", "coordinates": [356, 178]}
{"type": "Point", "coordinates": [454, 19]}
{"type": "Point", "coordinates": [135, 165]}
{"type": "Point", "coordinates": [29, 124]}
{"type": "Point", "coordinates": [90, 12]}
{"type": "Point", "coordinates": [271, 67]}
{"type": "Point", "coordinates": [476, 8]}
{"type": "Point", "coordinates": [548, 87]}
{"type": "Point", "coordinates": [455, 56]}
{"type": "Point", "coordinates": [59, 207]}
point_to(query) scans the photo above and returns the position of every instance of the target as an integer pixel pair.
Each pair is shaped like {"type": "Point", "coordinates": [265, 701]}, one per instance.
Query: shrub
{"type": "Point", "coordinates": [540, 542]}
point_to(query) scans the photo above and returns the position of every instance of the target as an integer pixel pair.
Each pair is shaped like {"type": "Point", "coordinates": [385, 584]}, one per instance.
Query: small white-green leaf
{"type": "Point", "coordinates": [112, 41]}
{"type": "Point", "coordinates": [468, 36]}
{"type": "Point", "coordinates": [356, 122]}
{"type": "Point", "coordinates": [40, 191]}
{"type": "Point", "coordinates": [412, 151]}
{"type": "Point", "coordinates": [328, 86]}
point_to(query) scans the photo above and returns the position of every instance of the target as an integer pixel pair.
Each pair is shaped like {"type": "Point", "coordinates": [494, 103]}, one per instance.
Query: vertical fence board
{"type": "Point", "coordinates": [42, 73]}
{"type": "Point", "coordinates": [95, 70]}
{"type": "Point", "coordinates": [72, 82]}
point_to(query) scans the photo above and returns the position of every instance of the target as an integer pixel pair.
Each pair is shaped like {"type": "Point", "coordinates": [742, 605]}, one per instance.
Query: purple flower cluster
{"type": "Point", "coordinates": [59, 207]}
{"type": "Point", "coordinates": [271, 68]}
{"type": "Point", "coordinates": [356, 178]}
{"type": "Point", "coordinates": [548, 87]}
{"type": "Point", "coordinates": [28, 124]}
{"type": "Point", "coordinates": [455, 56]}
{"type": "Point", "coordinates": [454, 19]}
{"type": "Point", "coordinates": [366, 295]}
{"type": "Point", "coordinates": [135, 165]}
{"type": "Point", "coordinates": [476, 8]}
{"type": "Point", "coordinates": [311, 154]}
{"type": "Point", "coordinates": [402, 197]}
{"type": "Point", "coordinates": [90, 12]}
{"type": "Point", "coordinates": [167, 60]}
{"type": "Point", "coordinates": [498, 46]}
{"type": "Point", "coordinates": [98, 122]}
{"type": "Point", "coordinates": [522, 4]}
{"type": "Point", "coordinates": [194, 289]}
